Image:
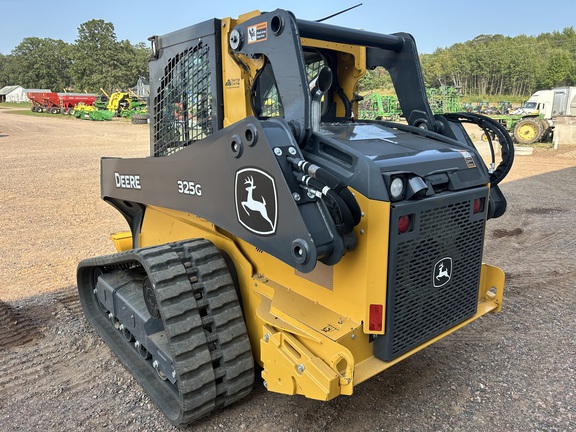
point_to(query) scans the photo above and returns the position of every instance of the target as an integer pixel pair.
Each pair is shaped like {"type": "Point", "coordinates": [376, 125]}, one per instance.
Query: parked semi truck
{"type": "Point", "coordinates": [540, 111]}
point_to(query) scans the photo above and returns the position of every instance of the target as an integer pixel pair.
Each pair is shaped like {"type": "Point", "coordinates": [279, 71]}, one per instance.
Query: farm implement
{"type": "Point", "coordinates": [117, 104]}
{"type": "Point", "coordinates": [91, 112]}
{"type": "Point", "coordinates": [59, 103]}
{"type": "Point", "coordinates": [375, 106]}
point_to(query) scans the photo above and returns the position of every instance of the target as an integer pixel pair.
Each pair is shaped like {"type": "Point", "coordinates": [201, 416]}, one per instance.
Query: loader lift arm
{"type": "Point", "coordinates": [279, 42]}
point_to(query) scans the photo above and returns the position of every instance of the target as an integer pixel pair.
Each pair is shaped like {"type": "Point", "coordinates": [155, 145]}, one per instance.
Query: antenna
{"type": "Point", "coordinates": [338, 13]}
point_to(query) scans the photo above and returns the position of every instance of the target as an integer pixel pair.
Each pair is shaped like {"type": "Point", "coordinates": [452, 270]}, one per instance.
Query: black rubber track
{"type": "Point", "coordinates": [202, 319]}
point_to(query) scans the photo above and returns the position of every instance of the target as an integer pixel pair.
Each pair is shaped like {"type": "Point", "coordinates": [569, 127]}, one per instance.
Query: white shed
{"type": "Point", "coordinates": [7, 90]}
{"type": "Point", "coordinates": [17, 93]}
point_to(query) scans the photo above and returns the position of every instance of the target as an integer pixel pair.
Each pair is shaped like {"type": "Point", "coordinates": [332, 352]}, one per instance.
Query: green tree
{"type": "Point", "coordinates": [136, 61]}
{"type": "Point", "coordinates": [560, 70]}
{"type": "Point", "coordinates": [498, 65]}
{"type": "Point", "coordinates": [97, 63]}
{"type": "Point", "coordinates": [441, 69]}
{"type": "Point", "coordinates": [520, 65]}
{"type": "Point", "coordinates": [377, 79]}
{"type": "Point", "coordinates": [39, 63]}
{"type": "Point", "coordinates": [3, 78]}
{"type": "Point", "coordinates": [103, 62]}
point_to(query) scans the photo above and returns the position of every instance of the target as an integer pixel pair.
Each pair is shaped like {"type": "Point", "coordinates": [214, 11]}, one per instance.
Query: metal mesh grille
{"type": "Point", "coordinates": [183, 105]}
{"type": "Point", "coordinates": [417, 310]}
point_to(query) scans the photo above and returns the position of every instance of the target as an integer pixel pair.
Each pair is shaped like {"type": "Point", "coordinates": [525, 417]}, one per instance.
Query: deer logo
{"type": "Point", "coordinates": [256, 201]}
{"type": "Point", "coordinates": [254, 205]}
{"type": "Point", "coordinates": [442, 272]}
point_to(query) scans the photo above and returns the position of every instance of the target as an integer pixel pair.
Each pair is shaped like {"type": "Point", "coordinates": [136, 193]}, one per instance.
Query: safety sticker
{"type": "Point", "coordinates": [232, 83]}
{"type": "Point", "coordinates": [258, 33]}
{"type": "Point", "coordinates": [469, 159]}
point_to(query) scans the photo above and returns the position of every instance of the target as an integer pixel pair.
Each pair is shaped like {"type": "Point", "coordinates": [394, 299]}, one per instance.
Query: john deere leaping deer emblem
{"type": "Point", "coordinates": [255, 205]}
{"type": "Point", "coordinates": [256, 202]}
{"type": "Point", "coordinates": [442, 272]}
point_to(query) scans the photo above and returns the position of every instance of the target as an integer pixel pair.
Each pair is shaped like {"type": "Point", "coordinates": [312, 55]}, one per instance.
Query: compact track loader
{"type": "Point", "coordinates": [271, 229]}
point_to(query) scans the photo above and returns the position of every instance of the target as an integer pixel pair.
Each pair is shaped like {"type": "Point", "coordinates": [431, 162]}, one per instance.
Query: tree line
{"type": "Point", "coordinates": [497, 65]}
{"type": "Point", "coordinates": [500, 65]}
{"type": "Point", "coordinates": [486, 65]}
{"type": "Point", "coordinates": [97, 60]}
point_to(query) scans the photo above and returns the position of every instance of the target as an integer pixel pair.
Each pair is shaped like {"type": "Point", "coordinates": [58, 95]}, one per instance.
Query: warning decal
{"type": "Point", "coordinates": [258, 33]}
{"type": "Point", "coordinates": [469, 159]}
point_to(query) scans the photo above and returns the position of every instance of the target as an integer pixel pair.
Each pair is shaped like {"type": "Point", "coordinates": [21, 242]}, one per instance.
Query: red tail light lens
{"type": "Point", "coordinates": [477, 206]}
{"type": "Point", "coordinates": [403, 224]}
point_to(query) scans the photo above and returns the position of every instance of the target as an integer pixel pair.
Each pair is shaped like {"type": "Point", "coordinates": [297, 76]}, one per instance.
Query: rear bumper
{"type": "Point", "coordinates": [298, 360]}
{"type": "Point", "coordinates": [490, 294]}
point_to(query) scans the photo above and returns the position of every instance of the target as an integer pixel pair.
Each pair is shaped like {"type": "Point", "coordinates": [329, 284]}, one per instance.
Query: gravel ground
{"type": "Point", "coordinates": [512, 371]}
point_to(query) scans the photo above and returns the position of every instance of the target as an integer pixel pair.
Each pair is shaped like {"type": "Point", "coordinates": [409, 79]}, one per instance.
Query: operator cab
{"type": "Point", "coordinates": [266, 102]}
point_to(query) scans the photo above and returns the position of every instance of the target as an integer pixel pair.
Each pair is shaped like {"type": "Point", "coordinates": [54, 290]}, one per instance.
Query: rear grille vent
{"type": "Point", "coordinates": [422, 302]}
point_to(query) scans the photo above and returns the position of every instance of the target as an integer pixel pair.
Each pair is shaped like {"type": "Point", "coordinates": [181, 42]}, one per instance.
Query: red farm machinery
{"type": "Point", "coordinates": [58, 103]}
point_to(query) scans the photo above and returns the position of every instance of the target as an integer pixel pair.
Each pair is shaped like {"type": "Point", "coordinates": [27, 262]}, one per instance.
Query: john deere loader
{"type": "Point", "coordinates": [273, 232]}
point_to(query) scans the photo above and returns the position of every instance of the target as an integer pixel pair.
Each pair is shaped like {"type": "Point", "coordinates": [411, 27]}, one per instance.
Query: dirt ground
{"type": "Point", "coordinates": [512, 371]}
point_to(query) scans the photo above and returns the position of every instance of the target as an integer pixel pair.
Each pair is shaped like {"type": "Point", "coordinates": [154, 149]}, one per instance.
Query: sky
{"type": "Point", "coordinates": [433, 23]}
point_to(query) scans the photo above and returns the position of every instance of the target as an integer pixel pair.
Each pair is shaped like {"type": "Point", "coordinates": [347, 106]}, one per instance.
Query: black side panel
{"type": "Point", "coordinates": [434, 269]}
{"type": "Point", "coordinates": [237, 178]}
{"type": "Point", "coordinates": [133, 213]}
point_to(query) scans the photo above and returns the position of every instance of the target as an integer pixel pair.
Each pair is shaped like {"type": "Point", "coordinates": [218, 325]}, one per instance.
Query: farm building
{"type": "Point", "coordinates": [142, 88]}
{"type": "Point", "coordinates": [17, 93]}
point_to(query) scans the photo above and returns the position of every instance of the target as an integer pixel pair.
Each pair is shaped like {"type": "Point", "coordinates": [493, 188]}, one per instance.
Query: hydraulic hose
{"type": "Point", "coordinates": [502, 136]}
{"type": "Point", "coordinates": [333, 183]}
{"type": "Point", "coordinates": [339, 210]}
